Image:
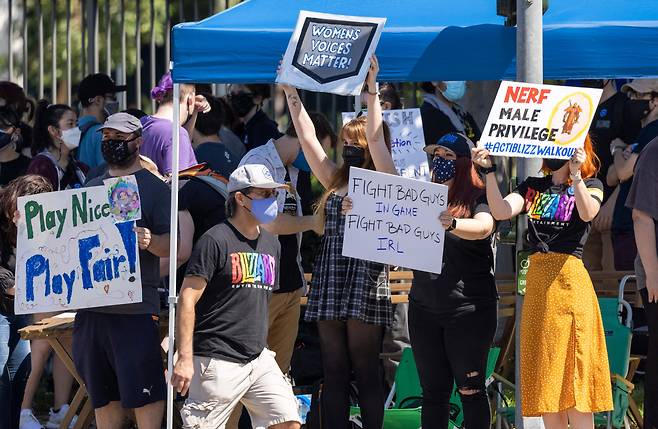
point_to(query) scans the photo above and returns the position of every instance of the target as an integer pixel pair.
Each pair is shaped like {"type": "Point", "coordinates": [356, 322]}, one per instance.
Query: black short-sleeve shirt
{"type": "Point", "coordinates": [554, 224]}
{"type": "Point", "coordinates": [232, 314]}
{"type": "Point", "coordinates": [467, 274]}
{"type": "Point", "coordinates": [643, 194]}
{"type": "Point", "coordinates": [155, 198]}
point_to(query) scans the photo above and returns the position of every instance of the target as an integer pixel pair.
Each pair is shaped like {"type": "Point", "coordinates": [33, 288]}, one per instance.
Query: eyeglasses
{"type": "Point", "coordinates": [264, 193]}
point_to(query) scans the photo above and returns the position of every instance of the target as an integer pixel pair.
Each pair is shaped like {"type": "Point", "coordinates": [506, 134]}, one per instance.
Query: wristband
{"type": "Point", "coordinates": [453, 225]}
{"type": "Point", "coordinates": [372, 93]}
{"type": "Point", "coordinates": [486, 171]}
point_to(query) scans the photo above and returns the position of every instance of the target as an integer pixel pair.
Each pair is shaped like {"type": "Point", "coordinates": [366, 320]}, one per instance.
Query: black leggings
{"type": "Point", "coordinates": [347, 346]}
{"type": "Point", "coordinates": [651, 378]}
{"type": "Point", "coordinates": [453, 348]}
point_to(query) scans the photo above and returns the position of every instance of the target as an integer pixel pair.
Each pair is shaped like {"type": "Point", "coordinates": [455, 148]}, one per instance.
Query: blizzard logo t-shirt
{"type": "Point", "coordinates": [554, 224]}
{"type": "Point", "coordinates": [240, 275]}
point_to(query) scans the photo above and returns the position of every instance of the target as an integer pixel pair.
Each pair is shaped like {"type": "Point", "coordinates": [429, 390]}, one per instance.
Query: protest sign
{"type": "Point", "coordinates": [395, 220]}
{"type": "Point", "coordinates": [330, 53]}
{"type": "Point", "coordinates": [407, 142]}
{"type": "Point", "coordinates": [539, 121]}
{"type": "Point", "coordinates": [71, 254]}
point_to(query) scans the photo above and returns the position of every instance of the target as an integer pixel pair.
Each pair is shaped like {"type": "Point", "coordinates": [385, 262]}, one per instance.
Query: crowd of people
{"type": "Point", "coordinates": [243, 215]}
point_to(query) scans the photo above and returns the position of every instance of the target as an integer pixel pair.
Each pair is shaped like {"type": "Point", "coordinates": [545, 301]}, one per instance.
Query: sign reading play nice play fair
{"type": "Point", "coordinates": [72, 254]}
{"type": "Point", "coordinates": [330, 53]}
{"type": "Point", "coordinates": [539, 121]}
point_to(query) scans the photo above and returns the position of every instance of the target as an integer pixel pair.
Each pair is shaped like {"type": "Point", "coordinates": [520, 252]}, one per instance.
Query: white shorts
{"type": "Point", "coordinates": [218, 385]}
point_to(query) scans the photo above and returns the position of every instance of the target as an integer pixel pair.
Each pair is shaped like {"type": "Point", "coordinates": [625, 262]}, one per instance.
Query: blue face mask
{"type": "Point", "coordinates": [455, 90]}
{"type": "Point", "coordinates": [443, 169]}
{"type": "Point", "coordinates": [301, 163]}
{"type": "Point", "coordinates": [264, 210]}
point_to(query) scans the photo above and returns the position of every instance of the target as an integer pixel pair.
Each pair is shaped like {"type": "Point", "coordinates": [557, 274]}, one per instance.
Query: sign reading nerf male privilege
{"type": "Point", "coordinates": [71, 253]}
{"type": "Point", "coordinates": [330, 53]}
{"type": "Point", "coordinates": [539, 121]}
{"type": "Point", "coordinates": [395, 220]}
{"type": "Point", "coordinates": [407, 142]}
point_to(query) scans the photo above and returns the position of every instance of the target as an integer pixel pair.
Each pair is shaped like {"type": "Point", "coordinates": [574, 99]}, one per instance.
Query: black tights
{"type": "Point", "coordinates": [347, 346]}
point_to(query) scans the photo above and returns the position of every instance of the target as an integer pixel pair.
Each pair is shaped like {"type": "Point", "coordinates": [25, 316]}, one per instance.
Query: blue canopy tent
{"type": "Point", "coordinates": [428, 40]}
{"type": "Point", "coordinates": [422, 40]}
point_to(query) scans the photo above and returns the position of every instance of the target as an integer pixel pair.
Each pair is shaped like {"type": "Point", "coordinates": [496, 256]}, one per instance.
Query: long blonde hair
{"type": "Point", "coordinates": [354, 131]}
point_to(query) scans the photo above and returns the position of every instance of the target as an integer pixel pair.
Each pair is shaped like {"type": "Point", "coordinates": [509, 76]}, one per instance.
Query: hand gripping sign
{"type": "Point", "coordinates": [539, 121]}
{"type": "Point", "coordinates": [330, 53]}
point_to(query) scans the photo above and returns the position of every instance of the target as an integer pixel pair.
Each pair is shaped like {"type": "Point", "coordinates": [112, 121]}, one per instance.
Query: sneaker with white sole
{"type": "Point", "coordinates": [55, 418]}
{"type": "Point", "coordinates": [29, 421]}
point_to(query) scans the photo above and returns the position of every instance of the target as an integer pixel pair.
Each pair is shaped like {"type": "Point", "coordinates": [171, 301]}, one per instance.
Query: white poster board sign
{"type": "Point", "coordinates": [71, 254]}
{"type": "Point", "coordinates": [539, 121]}
{"type": "Point", "coordinates": [407, 142]}
{"type": "Point", "coordinates": [395, 220]}
{"type": "Point", "coordinates": [330, 53]}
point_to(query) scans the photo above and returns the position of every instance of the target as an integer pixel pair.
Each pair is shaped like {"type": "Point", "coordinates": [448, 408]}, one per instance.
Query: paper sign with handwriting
{"type": "Point", "coordinates": [395, 220]}
{"type": "Point", "coordinates": [407, 142]}
{"type": "Point", "coordinates": [330, 53]}
{"type": "Point", "coordinates": [539, 121]}
{"type": "Point", "coordinates": [71, 254]}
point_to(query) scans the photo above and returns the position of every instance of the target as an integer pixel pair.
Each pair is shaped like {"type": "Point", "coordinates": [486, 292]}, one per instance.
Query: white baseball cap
{"type": "Point", "coordinates": [252, 176]}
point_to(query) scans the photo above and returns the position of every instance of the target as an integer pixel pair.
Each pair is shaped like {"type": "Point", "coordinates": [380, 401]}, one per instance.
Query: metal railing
{"type": "Point", "coordinates": [52, 44]}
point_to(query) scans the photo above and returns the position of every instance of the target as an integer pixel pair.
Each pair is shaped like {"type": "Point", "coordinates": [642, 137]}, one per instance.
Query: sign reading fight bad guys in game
{"type": "Point", "coordinates": [330, 53]}
{"type": "Point", "coordinates": [407, 142]}
{"type": "Point", "coordinates": [72, 254]}
{"type": "Point", "coordinates": [395, 220]}
{"type": "Point", "coordinates": [539, 121]}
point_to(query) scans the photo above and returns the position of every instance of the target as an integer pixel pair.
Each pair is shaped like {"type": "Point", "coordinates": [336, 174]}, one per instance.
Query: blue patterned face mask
{"type": "Point", "coordinates": [443, 169]}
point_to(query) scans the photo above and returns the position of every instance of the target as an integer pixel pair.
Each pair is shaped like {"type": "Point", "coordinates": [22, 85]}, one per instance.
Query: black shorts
{"type": "Point", "coordinates": [118, 357]}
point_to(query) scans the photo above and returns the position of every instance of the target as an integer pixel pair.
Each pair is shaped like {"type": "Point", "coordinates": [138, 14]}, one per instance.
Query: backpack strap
{"type": "Point", "coordinates": [88, 126]}
{"type": "Point", "coordinates": [214, 183]}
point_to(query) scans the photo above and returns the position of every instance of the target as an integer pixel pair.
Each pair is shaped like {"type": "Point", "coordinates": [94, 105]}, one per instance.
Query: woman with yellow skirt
{"type": "Point", "coordinates": [565, 376]}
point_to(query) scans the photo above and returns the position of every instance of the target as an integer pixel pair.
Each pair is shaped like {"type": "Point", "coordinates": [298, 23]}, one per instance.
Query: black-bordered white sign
{"type": "Point", "coordinates": [329, 53]}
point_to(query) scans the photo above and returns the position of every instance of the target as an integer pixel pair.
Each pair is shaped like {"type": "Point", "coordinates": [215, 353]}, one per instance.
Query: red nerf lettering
{"type": "Point", "coordinates": [526, 94]}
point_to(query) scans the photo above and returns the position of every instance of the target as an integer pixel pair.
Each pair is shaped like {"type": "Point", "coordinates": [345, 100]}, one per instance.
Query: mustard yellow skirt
{"type": "Point", "coordinates": [564, 361]}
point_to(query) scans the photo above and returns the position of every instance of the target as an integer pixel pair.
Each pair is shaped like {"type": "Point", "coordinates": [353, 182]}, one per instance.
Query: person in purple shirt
{"type": "Point", "coordinates": [157, 136]}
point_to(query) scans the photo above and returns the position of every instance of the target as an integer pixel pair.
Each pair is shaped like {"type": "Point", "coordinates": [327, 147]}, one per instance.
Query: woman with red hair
{"type": "Point", "coordinates": [564, 364]}
{"type": "Point", "coordinates": [452, 315]}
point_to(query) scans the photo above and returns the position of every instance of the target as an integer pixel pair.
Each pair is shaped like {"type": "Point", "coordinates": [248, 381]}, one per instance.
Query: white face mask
{"type": "Point", "coordinates": [71, 137]}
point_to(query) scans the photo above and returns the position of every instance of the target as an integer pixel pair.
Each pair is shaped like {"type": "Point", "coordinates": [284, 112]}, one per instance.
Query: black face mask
{"type": "Point", "coordinates": [354, 156]}
{"type": "Point", "coordinates": [242, 103]}
{"type": "Point", "coordinates": [118, 152]}
{"type": "Point", "coordinates": [554, 164]}
{"type": "Point", "coordinates": [639, 109]}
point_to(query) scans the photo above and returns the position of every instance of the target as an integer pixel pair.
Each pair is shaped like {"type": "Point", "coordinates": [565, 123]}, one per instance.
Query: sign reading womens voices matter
{"type": "Point", "coordinates": [407, 142]}
{"type": "Point", "coordinates": [71, 254]}
{"type": "Point", "coordinates": [330, 53]}
{"type": "Point", "coordinates": [539, 121]}
{"type": "Point", "coordinates": [395, 220]}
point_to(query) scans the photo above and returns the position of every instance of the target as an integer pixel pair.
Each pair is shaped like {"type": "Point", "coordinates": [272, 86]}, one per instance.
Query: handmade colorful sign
{"type": "Point", "coordinates": [407, 142]}
{"type": "Point", "coordinates": [71, 254]}
{"type": "Point", "coordinates": [330, 53]}
{"type": "Point", "coordinates": [123, 197]}
{"type": "Point", "coordinates": [395, 220]}
{"type": "Point", "coordinates": [539, 121]}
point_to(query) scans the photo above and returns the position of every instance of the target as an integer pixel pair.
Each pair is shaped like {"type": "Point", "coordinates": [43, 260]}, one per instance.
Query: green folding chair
{"type": "Point", "coordinates": [405, 411]}
{"type": "Point", "coordinates": [618, 336]}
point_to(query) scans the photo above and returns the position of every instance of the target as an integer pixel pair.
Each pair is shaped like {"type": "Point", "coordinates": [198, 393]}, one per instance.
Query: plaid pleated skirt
{"type": "Point", "coordinates": [564, 360]}
{"type": "Point", "coordinates": [345, 288]}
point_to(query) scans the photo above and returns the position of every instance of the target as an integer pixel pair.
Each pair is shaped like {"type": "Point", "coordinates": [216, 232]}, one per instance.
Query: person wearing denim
{"type": "Point", "coordinates": [15, 366]}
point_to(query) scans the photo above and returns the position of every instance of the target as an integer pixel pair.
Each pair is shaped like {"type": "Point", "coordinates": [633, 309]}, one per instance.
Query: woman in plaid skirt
{"type": "Point", "coordinates": [349, 298]}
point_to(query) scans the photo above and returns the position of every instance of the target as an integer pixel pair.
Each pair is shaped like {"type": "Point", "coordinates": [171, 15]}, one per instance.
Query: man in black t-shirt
{"type": "Point", "coordinates": [116, 349]}
{"type": "Point", "coordinates": [223, 358]}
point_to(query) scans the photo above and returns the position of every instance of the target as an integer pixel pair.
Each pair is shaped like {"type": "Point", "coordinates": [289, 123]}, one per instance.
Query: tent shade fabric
{"type": "Point", "coordinates": [427, 40]}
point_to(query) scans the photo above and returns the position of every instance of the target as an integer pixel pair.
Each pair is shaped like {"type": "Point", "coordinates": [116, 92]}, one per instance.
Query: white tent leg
{"type": "Point", "coordinates": [173, 252]}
